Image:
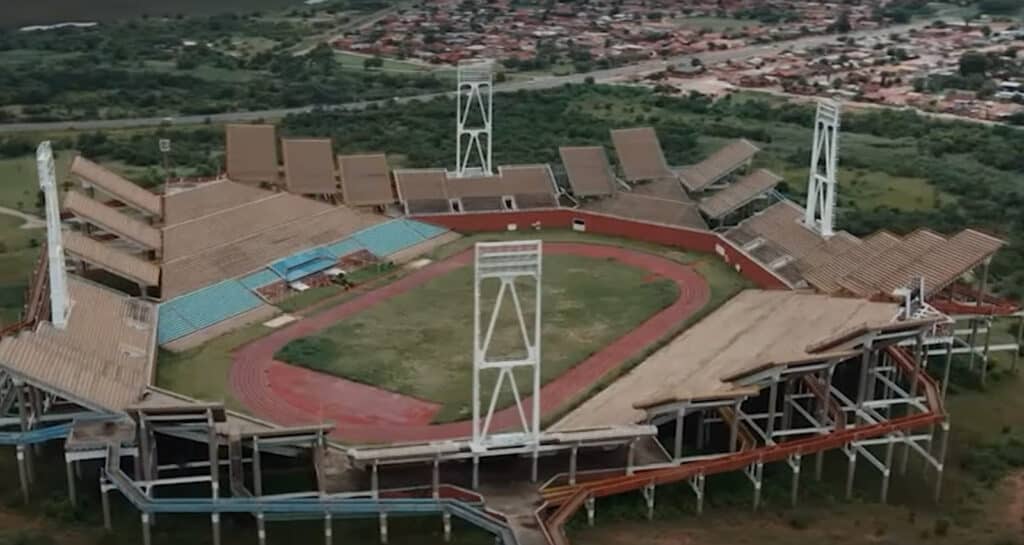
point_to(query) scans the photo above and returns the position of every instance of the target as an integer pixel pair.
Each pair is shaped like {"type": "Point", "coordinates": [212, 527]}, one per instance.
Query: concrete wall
{"type": "Point", "coordinates": [665, 235]}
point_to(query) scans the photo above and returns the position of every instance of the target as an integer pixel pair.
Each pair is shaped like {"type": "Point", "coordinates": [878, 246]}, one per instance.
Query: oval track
{"type": "Point", "coordinates": [291, 395]}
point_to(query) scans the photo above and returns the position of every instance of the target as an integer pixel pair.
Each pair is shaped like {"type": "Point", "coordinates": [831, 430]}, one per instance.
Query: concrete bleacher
{"type": "Point", "coordinates": [203, 308]}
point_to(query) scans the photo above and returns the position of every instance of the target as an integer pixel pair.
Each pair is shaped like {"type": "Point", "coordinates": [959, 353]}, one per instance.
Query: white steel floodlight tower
{"type": "Point", "coordinates": [60, 302]}
{"type": "Point", "coordinates": [473, 118]}
{"type": "Point", "coordinates": [507, 262]}
{"type": "Point", "coordinates": [821, 183]}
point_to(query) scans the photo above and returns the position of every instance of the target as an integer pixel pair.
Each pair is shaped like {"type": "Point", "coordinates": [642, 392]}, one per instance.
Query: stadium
{"type": "Point", "coordinates": [502, 344]}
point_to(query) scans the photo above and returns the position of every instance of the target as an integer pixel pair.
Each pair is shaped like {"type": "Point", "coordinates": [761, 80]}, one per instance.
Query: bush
{"type": "Point", "coordinates": [25, 537]}
{"type": "Point", "coordinates": [941, 527]}
{"type": "Point", "coordinates": [316, 353]}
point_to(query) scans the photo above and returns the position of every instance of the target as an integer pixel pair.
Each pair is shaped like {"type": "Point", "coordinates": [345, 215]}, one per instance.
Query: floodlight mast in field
{"type": "Point", "coordinates": [60, 303]}
{"type": "Point", "coordinates": [821, 183]}
{"type": "Point", "coordinates": [507, 262]}
{"type": "Point", "coordinates": [474, 111]}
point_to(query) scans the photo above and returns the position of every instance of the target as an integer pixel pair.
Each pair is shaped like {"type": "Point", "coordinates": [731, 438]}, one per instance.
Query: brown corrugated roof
{"type": "Point", "coordinates": [527, 179]}
{"type": "Point", "coordinates": [866, 280]}
{"type": "Point", "coordinates": [208, 199]}
{"type": "Point", "coordinates": [111, 259]}
{"type": "Point", "coordinates": [946, 262]}
{"type": "Point", "coordinates": [825, 277]}
{"type": "Point", "coordinates": [309, 166]}
{"type": "Point", "coordinates": [118, 187]}
{"type": "Point", "coordinates": [780, 223]}
{"type": "Point", "coordinates": [718, 165]}
{"type": "Point", "coordinates": [650, 209]}
{"type": "Point", "coordinates": [102, 359]}
{"type": "Point", "coordinates": [739, 193]}
{"type": "Point", "coordinates": [365, 179]}
{"type": "Point", "coordinates": [255, 248]}
{"type": "Point", "coordinates": [421, 184]}
{"type": "Point", "coordinates": [252, 153]}
{"type": "Point", "coordinates": [194, 236]}
{"type": "Point", "coordinates": [640, 154]}
{"type": "Point", "coordinates": [110, 219]}
{"type": "Point", "coordinates": [662, 188]}
{"type": "Point", "coordinates": [588, 170]}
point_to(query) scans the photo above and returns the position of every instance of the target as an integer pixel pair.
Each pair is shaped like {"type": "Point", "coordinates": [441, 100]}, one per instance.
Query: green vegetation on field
{"type": "Point", "coordinates": [419, 343]}
{"type": "Point", "coordinates": [203, 372]}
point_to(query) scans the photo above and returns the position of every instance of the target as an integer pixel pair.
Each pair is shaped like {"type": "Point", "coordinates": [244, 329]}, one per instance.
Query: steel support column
{"type": "Point", "coordinates": [851, 468]}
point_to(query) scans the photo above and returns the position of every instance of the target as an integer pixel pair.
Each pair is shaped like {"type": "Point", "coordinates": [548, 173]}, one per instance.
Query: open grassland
{"type": "Point", "coordinates": [419, 343]}
{"type": "Point", "coordinates": [19, 183]}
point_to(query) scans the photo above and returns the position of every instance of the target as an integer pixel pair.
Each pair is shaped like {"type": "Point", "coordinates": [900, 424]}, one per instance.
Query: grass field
{"type": "Point", "coordinates": [19, 184]}
{"type": "Point", "coordinates": [419, 343]}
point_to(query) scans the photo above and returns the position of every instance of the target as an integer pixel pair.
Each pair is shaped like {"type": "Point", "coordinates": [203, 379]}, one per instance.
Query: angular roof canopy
{"type": "Point", "coordinates": [739, 193]}
{"type": "Point", "coordinates": [116, 186]}
{"type": "Point", "coordinates": [365, 179]}
{"type": "Point", "coordinates": [718, 165]}
{"type": "Point", "coordinates": [111, 259]}
{"type": "Point", "coordinates": [252, 153]}
{"type": "Point", "coordinates": [309, 166]}
{"type": "Point", "coordinates": [112, 220]}
{"type": "Point", "coordinates": [640, 154]}
{"type": "Point", "coordinates": [588, 170]}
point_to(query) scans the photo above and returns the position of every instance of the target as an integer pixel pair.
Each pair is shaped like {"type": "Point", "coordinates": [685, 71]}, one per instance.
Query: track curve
{"type": "Point", "coordinates": [291, 395]}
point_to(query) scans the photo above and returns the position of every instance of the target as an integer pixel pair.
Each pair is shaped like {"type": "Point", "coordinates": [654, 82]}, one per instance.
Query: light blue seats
{"type": "Point", "coordinates": [344, 247]}
{"type": "Point", "coordinates": [200, 309]}
{"type": "Point", "coordinates": [259, 279]}
{"type": "Point", "coordinates": [303, 264]}
{"type": "Point", "coordinates": [425, 230]}
{"type": "Point", "coordinates": [387, 238]}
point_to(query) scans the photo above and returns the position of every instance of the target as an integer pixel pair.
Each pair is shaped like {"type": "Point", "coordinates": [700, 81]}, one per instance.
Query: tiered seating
{"type": "Point", "coordinates": [640, 154]}
{"type": "Point", "coordinates": [588, 170]}
{"type": "Point", "coordinates": [344, 247]}
{"type": "Point", "coordinates": [203, 308]}
{"type": "Point", "coordinates": [388, 238]}
{"type": "Point", "coordinates": [718, 165]}
{"type": "Point", "coordinates": [259, 279]}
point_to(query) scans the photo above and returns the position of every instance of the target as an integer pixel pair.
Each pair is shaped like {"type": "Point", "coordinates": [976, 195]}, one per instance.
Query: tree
{"type": "Point", "coordinates": [370, 63]}
{"type": "Point", "coordinates": [973, 62]}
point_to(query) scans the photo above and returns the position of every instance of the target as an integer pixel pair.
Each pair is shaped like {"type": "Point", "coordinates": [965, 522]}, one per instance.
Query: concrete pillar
{"type": "Point", "coordinates": [887, 471]}
{"type": "Point", "coordinates": [700, 493]}
{"type": "Point", "coordinates": [328, 530]}
{"type": "Point", "coordinates": [735, 428]}
{"type": "Point", "coordinates": [261, 529]}
{"type": "Point", "coordinates": [945, 372]}
{"type": "Point", "coordinates": [383, 524]}
{"type": "Point", "coordinates": [446, 521]}
{"type": "Point", "coordinates": [984, 354]}
{"type": "Point", "coordinates": [572, 464]}
{"type": "Point", "coordinates": [375, 479]}
{"type": "Point", "coordinates": [215, 527]}
{"type": "Point", "coordinates": [648, 492]}
{"type": "Point", "coordinates": [22, 472]}
{"type": "Point", "coordinates": [105, 499]}
{"type": "Point", "coordinates": [758, 473]}
{"type": "Point", "coordinates": [588, 504]}
{"type": "Point", "coordinates": [70, 468]}
{"type": "Point", "coordinates": [851, 468]}
{"type": "Point", "coordinates": [147, 537]}
{"type": "Point", "coordinates": [630, 455]}
{"type": "Point", "coordinates": [677, 451]}
{"type": "Point", "coordinates": [535, 462]}
{"type": "Point", "coordinates": [795, 493]}
{"type": "Point", "coordinates": [436, 479]}
{"type": "Point", "coordinates": [773, 394]}
{"type": "Point", "coordinates": [943, 445]}
{"type": "Point", "coordinates": [476, 472]}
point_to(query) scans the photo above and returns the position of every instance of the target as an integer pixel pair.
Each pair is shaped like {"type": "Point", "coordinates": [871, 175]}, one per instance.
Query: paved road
{"type": "Point", "coordinates": [545, 82]}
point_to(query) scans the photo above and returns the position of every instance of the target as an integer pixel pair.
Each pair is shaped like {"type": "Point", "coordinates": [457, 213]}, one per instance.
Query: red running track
{"type": "Point", "coordinates": [290, 395]}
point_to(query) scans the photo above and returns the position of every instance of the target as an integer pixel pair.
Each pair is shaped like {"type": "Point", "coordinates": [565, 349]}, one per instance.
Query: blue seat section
{"type": "Point", "coordinates": [387, 238]}
{"type": "Point", "coordinates": [344, 247]}
{"type": "Point", "coordinates": [425, 230]}
{"type": "Point", "coordinates": [259, 279]}
{"type": "Point", "coordinates": [203, 308]}
{"type": "Point", "coordinates": [303, 264]}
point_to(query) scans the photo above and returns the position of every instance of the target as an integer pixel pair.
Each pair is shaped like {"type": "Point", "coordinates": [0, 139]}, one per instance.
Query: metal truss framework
{"type": "Point", "coordinates": [511, 264]}
{"type": "Point", "coordinates": [474, 116]}
{"type": "Point", "coordinates": [800, 403]}
{"type": "Point", "coordinates": [821, 183]}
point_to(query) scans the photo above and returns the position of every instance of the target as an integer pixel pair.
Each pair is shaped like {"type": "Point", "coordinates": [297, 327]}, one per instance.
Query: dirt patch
{"type": "Point", "coordinates": [1015, 500]}
{"type": "Point", "coordinates": [12, 520]}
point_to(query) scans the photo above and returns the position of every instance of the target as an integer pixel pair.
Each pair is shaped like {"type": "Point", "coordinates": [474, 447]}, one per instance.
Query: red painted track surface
{"type": "Point", "coordinates": [291, 395]}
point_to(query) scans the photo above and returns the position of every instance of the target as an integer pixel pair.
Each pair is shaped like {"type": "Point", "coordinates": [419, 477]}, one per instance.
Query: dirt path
{"type": "Point", "coordinates": [1015, 501]}
{"type": "Point", "coordinates": [291, 395]}
{"type": "Point", "coordinates": [31, 222]}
